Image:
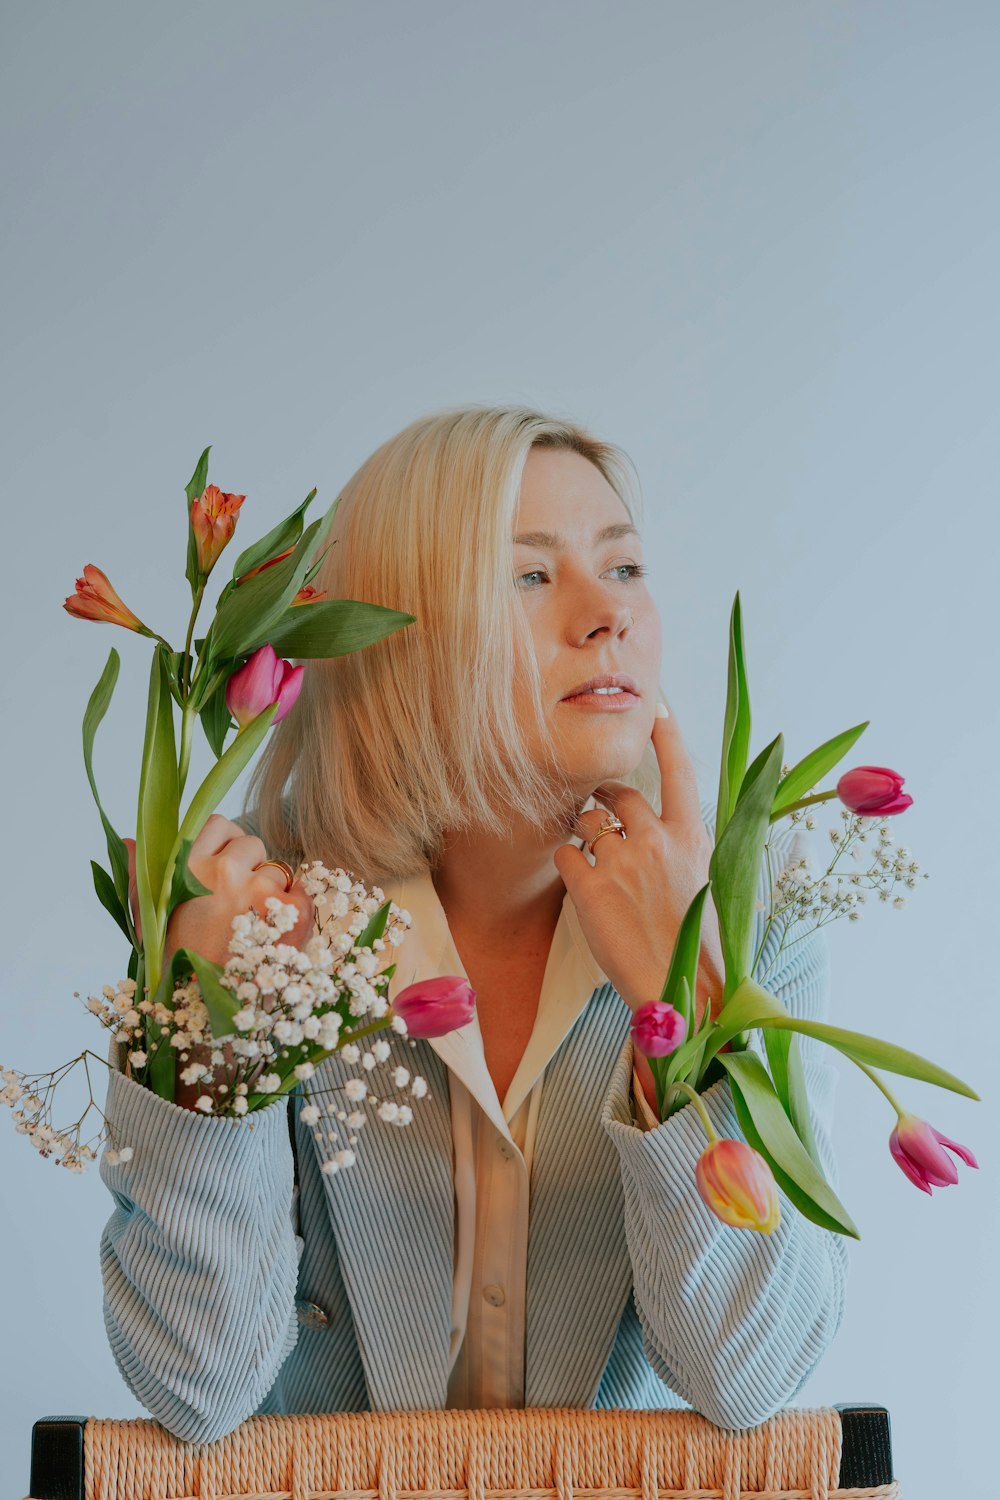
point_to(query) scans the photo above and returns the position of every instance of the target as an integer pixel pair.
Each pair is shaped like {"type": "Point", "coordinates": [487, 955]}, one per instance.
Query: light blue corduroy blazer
{"type": "Point", "coordinates": [217, 1271]}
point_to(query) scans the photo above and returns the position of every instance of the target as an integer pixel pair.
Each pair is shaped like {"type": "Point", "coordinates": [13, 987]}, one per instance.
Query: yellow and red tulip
{"type": "Point", "coordinates": [737, 1184]}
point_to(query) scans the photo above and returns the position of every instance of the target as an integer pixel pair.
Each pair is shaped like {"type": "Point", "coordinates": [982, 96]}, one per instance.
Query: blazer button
{"type": "Point", "coordinates": [505, 1148]}
{"type": "Point", "coordinates": [494, 1295]}
{"type": "Point", "coordinates": [309, 1314]}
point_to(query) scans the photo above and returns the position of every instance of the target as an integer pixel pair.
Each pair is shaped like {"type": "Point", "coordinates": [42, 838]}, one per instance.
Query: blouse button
{"type": "Point", "coordinates": [505, 1148]}
{"type": "Point", "coordinates": [494, 1295]}
{"type": "Point", "coordinates": [310, 1315]}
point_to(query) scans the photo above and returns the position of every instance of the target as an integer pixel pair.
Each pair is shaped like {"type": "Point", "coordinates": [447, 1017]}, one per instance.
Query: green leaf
{"type": "Point", "coordinates": [798, 1095]}
{"type": "Point", "coordinates": [736, 727]}
{"type": "Point", "coordinates": [376, 926]}
{"type": "Point", "coordinates": [795, 1195]}
{"type": "Point", "coordinates": [781, 1143]}
{"type": "Point", "coordinates": [777, 1045]}
{"type": "Point", "coordinates": [183, 884]}
{"type": "Point", "coordinates": [685, 1063]}
{"type": "Point", "coordinates": [216, 720]}
{"type": "Point", "coordinates": [330, 627]}
{"type": "Point", "coordinates": [785, 1063]}
{"type": "Point", "coordinates": [109, 899]}
{"type": "Point", "coordinates": [684, 960]}
{"type": "Point", "coordinates": [280, 537]}
{"type": "Point", "coordinates": [734, 868]}
{"type": "Point", "coordinates": [812, 768]}
{"type": "Point", "coordinates": [251, 611]}
{"type": "Point", "coordinates": [878, 1054]}
{"type": "Point", "coordinates": [221, 1004]}
{"type": "Point", "coordinates": [753, 1006]}
{"type": "Point", "coordinates": [159, 796]}
{"type": "Point", "coordinates": [193, 489]}
{"type": "Point", "coordinates": [215, 786]}
{"type": "Point", "coordinates": [97, 707]}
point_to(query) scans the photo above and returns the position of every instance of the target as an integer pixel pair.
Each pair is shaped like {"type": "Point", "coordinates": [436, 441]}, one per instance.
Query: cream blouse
{"type": "Point", "coordinates": [494, 1143]}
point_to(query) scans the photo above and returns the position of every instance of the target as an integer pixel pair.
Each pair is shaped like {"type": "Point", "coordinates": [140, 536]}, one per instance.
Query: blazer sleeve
{"type": "Point", "coordinates": [199, 1259]}
{"type": "Point", "coordinates": [733, 1321]}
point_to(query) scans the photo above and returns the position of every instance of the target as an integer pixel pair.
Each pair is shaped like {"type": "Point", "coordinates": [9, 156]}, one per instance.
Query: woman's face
{"type": "Point", "coordinates": [590, 614]}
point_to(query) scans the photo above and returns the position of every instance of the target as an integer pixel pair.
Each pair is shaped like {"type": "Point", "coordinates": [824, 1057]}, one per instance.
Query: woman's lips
{"type": "Point", "coordinates": [619, 700]}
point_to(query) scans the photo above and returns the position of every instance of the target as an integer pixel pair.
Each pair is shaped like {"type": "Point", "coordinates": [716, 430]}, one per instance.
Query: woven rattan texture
{"type": "Point", "coordinates": [494, 1454]}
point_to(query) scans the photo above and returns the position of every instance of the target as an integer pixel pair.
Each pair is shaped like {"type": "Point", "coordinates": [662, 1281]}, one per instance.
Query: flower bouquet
{"type": "Point", "coordinates": [251, 1030]}
{"type": "Point", "coordinates": [738, 1180]}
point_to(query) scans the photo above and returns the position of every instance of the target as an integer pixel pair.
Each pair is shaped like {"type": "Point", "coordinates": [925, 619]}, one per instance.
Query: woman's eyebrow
{"type": "Point", "coordinates": [548, 539]}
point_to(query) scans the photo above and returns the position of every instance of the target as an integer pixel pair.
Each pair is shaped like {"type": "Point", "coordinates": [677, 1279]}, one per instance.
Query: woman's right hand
{"type": "Point", "coordinates": [222, 857]}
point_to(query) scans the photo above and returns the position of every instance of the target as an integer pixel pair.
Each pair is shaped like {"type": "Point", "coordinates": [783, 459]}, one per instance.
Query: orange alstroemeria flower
{"type": "Point", "coordinates": [269, 564]}
{"type": "Point", "coordinates": [213, 521]}
{"type": "Point", "coordinates": [95, 599]}
{"type": "Point", "coordinates": [308, 595]}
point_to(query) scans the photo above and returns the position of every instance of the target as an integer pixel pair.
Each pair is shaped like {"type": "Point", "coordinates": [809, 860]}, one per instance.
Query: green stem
{"type": "Point", "coordinates": [790, 807]}
{"type": "Point", "coordinates": [186, 658]}
{"type": "Point", "coordinates": [876, 1080]}
{"type": "Point", "coordinates": [695, 1099]}
{"type": "Point", "coordinates": [188, 716]}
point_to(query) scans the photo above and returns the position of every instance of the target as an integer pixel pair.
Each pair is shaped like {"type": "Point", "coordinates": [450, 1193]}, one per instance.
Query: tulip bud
{"type": "Point", "coordinates": [916, 1148]}
{"type": "Point", "coordinates": [873, 791]}
{"type": "Point", "coordinates": [737, 1184]}
{"type": "Point", "coordinates": [213, 521]}
{"type": "Point", "coordinates": [263, 679]}
{"type": "Point", "coordinates": [432, 1007]}
{"type": "Point", "coordinates": [657, 1029]}
{"type": "Point", "coordinates": [95, 599]}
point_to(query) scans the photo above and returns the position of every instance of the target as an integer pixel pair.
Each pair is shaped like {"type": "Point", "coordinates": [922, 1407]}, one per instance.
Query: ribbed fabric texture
{"type": "Point", "coordinates": [637, 1296]}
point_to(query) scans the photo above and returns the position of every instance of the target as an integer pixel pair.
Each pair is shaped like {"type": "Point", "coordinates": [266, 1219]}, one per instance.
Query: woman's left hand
{"type": "Point", "coordinates": [633, 899]}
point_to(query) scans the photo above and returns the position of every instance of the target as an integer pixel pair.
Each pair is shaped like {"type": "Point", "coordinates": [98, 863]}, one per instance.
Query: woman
{"type": "Point", "coordinates": [458, 765]}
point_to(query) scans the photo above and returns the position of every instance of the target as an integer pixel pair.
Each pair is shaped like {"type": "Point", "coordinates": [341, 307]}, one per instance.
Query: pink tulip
{"type": "Point", "coordinates": [657, 1029]}
{"type": "Point", "coordinates": [432, 1007]}
{"type": "Point", "coordinates": [263, 679]}
{"type": "Point", "coordinates": [916, 1147]}
{"type": "Point", "coordinates": [873, 791]}
{"type": "Point", "coordinates": [737, 1184]}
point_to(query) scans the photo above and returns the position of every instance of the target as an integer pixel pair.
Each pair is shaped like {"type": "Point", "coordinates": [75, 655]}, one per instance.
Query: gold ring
{"type": "Point", "coordinates": [279, 864]}
{"type": "Point", "coordinates": [613, 824]}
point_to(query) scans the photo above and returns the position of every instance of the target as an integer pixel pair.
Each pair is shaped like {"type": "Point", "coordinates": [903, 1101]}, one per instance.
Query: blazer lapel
{"type": "Point", "coordinates": [393, 1211]}
{"type": "Point", "coordinates": [579, 1269]}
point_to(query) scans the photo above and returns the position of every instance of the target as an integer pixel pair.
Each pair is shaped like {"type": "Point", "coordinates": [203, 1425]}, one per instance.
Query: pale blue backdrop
{"type": "Point", "coordinates": [755, 243]}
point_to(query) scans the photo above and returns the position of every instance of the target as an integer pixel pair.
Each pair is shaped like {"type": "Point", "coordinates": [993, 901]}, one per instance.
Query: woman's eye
{"type": "Point", "coordinates": [635, 570]}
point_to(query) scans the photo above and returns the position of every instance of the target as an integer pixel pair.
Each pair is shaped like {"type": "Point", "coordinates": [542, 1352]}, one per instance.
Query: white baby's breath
{"type": "Point", "coordinates": [802, 901]}
{"type": "Point", "coordinates": [294, 1006]}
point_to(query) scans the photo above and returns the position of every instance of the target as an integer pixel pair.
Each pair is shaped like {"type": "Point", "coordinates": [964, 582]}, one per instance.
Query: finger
{"type": "Point", "coordinates": [218, 834]}
{"type": "Point", "coordinates": [679, 798]}
{"type": "Point", "coordinates": [617, 797]}
{"type": "Point", "coordinates": [573, 866]}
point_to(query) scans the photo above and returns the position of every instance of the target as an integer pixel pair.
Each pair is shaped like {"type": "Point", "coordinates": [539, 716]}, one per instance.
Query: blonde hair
{"type": "Point", "coordinates": [389, 747]}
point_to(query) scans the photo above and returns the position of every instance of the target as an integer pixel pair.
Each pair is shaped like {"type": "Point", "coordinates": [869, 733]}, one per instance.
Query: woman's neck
{"type": "Point", "coordinates": [500, 889]}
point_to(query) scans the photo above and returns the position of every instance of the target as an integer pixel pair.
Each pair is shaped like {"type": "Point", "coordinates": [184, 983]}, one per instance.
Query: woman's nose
{"type": "Point", "coordinates": [598, 611]}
